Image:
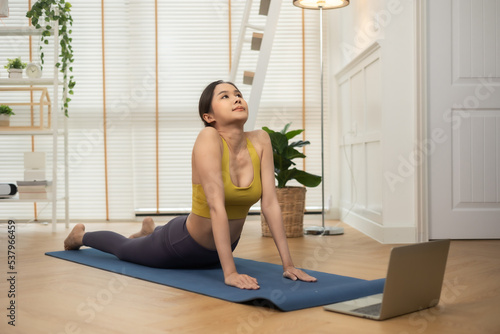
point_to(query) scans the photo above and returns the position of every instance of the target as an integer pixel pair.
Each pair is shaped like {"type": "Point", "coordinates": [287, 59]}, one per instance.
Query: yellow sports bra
{"type": "Point", "coordinates": [238, 200]}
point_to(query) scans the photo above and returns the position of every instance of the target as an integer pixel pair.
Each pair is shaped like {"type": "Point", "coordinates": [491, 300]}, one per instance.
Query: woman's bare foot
{"type": "Point", "coordinates": [75, 238]}
{"type": "Point", "coordinates": [148, 226]}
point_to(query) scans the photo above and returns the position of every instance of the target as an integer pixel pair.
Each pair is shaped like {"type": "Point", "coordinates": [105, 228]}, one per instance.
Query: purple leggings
{"type": "Point", "coordinates": [169, 246]}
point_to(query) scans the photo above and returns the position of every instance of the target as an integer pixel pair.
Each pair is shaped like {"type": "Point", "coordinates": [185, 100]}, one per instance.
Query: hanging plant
{"type": "Point", "coordinates": [41, 14]}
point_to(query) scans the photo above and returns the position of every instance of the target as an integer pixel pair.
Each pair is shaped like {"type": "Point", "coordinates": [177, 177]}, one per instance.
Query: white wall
{"type": "Point", "coordinates": [386, 26]}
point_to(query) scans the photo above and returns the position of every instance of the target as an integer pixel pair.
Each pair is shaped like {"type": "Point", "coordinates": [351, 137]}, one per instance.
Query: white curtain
{"type": "Point", "coordinates": [193, 49]}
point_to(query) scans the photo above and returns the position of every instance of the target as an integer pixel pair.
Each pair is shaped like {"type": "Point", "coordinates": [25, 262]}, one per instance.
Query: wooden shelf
{"type": "Point", "coordinates": [21, 31]}
{"type": "Point", "coordinates": [15, 199]}
{"type": "Point", "coordinates": [24, 131]}
{"type": "Point", "coordinates": [7, 84]}
{"type": "Point", "coordinates": [28, 82]}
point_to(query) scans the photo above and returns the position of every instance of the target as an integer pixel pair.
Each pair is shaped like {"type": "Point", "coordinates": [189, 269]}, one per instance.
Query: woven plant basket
{"type": "Point", "coordinates": [292, 203]}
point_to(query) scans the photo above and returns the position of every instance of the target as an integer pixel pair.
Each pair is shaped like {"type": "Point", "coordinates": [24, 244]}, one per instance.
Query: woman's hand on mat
{"type": "Point", "coordinates": [242, 281]}
{"type": "Point", "coordinates": [297, 274]}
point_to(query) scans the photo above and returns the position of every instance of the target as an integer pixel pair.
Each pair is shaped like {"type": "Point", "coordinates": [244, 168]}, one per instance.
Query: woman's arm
{"type": "Point", "coordinates": [272, 211]}
{"type": "Point", "coordinates": [207, 155]}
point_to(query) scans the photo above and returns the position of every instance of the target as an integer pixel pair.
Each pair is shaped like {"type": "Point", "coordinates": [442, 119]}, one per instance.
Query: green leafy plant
{"type": "Point", "coordinates": [284, 153]}
{"type": "Point", "coordinates": [41, 14]}
{"type": "Point", "coordinates": [6, 110]}
{"type": "Point", "coordinates": [15, 63]}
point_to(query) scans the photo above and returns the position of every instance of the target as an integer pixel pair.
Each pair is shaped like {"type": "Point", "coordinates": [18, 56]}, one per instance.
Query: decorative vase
{"type": "Point", "coordinates": [4, 120]}
{"type": "Point", "coordinates": [15, 73]}
{"type": "Point", "coordinates": [292, 201]}
{"type": "Point", "coordinates": [4, 8]}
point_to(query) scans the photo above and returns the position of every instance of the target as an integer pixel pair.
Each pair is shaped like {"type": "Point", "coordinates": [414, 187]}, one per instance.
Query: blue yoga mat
{"type": "Point", "coordinates": [275, 291]}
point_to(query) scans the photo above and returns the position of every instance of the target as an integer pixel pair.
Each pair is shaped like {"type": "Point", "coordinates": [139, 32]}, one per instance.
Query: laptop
{"type": "Point", "coordinates": [414, 280]}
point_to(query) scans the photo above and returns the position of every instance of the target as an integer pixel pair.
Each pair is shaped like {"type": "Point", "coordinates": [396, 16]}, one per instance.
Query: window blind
{"type": "Point", "coordinates": [192, 51]}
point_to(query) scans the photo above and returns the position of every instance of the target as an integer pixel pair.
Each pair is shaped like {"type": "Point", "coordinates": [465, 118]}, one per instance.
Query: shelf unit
{"type": "Point", "coordinates": [54, 130]}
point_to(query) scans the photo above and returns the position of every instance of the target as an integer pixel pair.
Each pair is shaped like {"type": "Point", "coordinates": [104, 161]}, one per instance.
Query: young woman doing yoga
{"type": "Point", "coordinates": [231, 170]}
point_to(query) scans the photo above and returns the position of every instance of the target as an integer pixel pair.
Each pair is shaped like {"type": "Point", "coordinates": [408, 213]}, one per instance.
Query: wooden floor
{"type": "Point", "coordinates": [54, 296]}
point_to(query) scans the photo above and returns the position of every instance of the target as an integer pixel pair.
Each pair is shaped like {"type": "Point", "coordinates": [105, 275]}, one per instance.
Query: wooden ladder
{"type": "Point", "coordinates": [262, 42]}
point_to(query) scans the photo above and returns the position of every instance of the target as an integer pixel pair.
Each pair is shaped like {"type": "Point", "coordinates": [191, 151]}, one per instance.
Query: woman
{"type": "Point", "coordinates": [231, 170]}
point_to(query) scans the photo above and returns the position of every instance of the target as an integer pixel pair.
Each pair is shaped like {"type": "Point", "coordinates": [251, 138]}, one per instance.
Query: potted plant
{"type": "Point", "coordinates": [5, 113]}
{"type": "Point", "coordinates": [41, 14]}
{"type": "Point", "coordinates": [15, 68]}
{"type": "Point", "coordinates": [291, 199]}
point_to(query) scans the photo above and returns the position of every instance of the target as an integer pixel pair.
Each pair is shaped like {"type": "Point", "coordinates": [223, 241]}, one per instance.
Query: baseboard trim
{"type": "Point", "coordinates": [383, 234]}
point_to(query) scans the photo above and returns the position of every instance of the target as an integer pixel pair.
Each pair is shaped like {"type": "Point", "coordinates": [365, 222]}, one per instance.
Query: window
{"type": "Point", "coordinates": [113, 180]}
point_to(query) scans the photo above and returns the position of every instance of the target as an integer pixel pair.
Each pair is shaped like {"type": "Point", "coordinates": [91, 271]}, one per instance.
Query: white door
{"type": "Point", "coordinates": [463, 143]}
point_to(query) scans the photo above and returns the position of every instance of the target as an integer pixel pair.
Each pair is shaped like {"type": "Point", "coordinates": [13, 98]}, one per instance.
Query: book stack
{"type": "Point", "coordinates": [33, 189]}
{"type": "Point", "coordinates": [34, 186]}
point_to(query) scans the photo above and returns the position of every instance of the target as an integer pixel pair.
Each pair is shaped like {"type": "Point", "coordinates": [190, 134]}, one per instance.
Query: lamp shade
{"type": "Point", "coordinates": [324, 4]}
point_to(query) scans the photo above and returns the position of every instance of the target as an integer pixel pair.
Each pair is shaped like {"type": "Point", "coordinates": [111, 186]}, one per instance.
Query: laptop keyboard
{"type": "Point", "coordinates": [370, 309]}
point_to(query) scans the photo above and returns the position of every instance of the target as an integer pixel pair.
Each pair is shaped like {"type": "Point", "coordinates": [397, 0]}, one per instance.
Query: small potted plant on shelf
{"type": "Point", "coordinates": [42, 13]}
{"type": "Point", "coordinates": [5, 113]}
{"type": "Point", "coordinates": [291, 199]}
{"type": "Point", "coordinates": [15, 67]}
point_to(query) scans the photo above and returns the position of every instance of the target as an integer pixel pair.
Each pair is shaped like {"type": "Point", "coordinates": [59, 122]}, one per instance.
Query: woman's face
{"type": "Point", "coordinates": [228, 105]}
